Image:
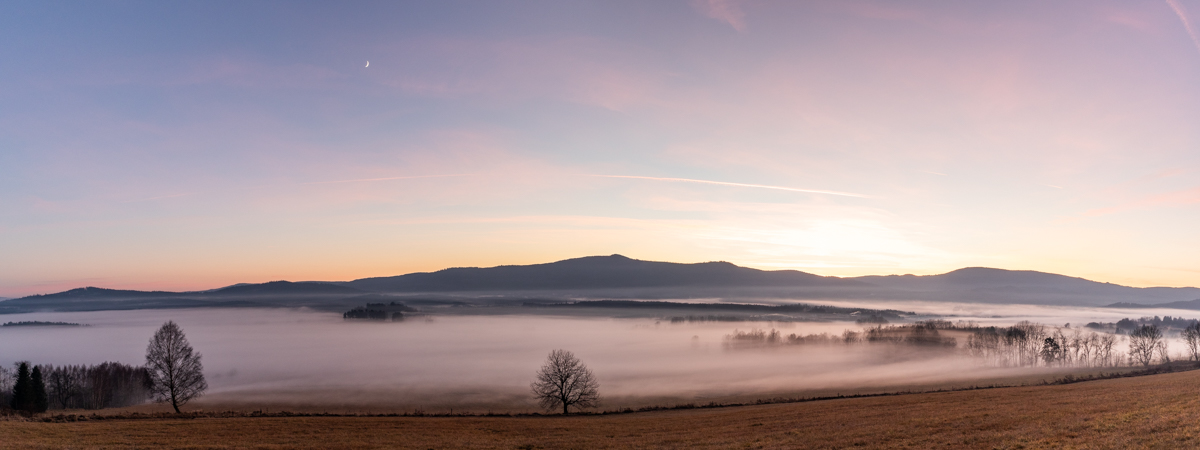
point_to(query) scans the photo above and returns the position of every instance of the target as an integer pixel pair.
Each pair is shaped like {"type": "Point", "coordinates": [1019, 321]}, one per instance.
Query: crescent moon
{"type": "Point", "coordinates": [368, 64]}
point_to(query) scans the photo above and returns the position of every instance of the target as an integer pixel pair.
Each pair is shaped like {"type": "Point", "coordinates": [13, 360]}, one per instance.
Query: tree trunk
{"type": "Point", "coordinates": [564, 407]}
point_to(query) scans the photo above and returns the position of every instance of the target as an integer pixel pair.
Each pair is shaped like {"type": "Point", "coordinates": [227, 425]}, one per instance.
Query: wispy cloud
{"type": "Point", "coordinates": [724, 10]}
{"type": "Point", "coordinates": [1187, 24]}
{"type": "Point", "coordinates": [725, 183]}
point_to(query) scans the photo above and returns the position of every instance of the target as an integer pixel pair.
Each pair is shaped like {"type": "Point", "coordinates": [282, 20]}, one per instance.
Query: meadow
{"type": "Point", "coordinates": [1155, 411]}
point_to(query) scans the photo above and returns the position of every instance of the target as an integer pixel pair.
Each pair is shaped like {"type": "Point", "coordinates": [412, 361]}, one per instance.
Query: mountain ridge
{"type": "Point", "coordinates": [618, 276]}
{"type": "Point", "coordinates": [592, 272]}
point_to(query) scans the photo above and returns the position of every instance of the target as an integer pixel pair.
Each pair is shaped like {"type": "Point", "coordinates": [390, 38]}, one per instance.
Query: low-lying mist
{"type": "Point", "coordinates": [302, 359]}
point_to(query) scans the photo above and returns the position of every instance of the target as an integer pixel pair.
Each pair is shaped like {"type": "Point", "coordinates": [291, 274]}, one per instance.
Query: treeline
{"type": "Point", "coordinates": [37, 323]}
{"type": "Point", "coordinates": [1166, 324]}
{"type": "Point", "coordinates": [1025, 344]}
{"type": "Point", "coordinates": [173, 373]}
{"type": "Point", "coordinates": [393, 311]}
{"type": "Point", "coordinates": [1028, 344]}
{"type": "Point", "coordinates": [106, 385]}
{"type": "Point", "coordinates": [924, 334]}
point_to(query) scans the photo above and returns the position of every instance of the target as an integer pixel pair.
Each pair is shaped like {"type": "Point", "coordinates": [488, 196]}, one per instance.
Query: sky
{"type": "Point", "coordinates": [191, 145]}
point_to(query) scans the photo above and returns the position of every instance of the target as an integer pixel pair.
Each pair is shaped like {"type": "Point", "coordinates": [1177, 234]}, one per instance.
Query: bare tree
{"type": "Point", "coordinates": [1051, 352]}
{"type": "Point", "coordinates": [565, 381]}
{"type": "Point", "coordinates": [1144, 343]}
{"type": "Point", "coordinates": [1191, 335]}
{"type": "Point", "coordinates": [1104, 351]}
{"type": "Point", "coordinates": [175, 371]}
{"type": "Point", "coordinates": [64, 384]}
{"type": "Point", "coordinates": [1163, 356]}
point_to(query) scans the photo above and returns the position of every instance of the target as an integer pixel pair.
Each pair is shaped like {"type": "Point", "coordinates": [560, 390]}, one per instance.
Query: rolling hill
{"type": "Point", "coordinates": [987, 285]}
{"type": "Point", "coordinates": [275, 293]}
{"type": "Point", "coordinates": [618, 276]}
{"type": "Point", "coordinates": [597, 272]}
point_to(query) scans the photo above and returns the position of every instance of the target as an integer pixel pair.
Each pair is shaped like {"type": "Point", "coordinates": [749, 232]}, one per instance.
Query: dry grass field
{"type": "Point", "coordinates": [1158, 411]}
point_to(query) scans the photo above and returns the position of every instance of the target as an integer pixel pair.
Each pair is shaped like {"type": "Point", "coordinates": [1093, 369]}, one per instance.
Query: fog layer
{"type": "Point", "coordinates": [301, 358]}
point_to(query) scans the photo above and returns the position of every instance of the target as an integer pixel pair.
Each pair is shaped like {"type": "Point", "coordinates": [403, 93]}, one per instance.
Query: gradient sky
{"type": "Point", "coordinates": [190, 145]}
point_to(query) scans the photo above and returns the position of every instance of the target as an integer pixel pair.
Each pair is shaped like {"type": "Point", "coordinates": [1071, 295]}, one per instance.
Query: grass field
{"type": "Point", "coordinates": [1157, 411]}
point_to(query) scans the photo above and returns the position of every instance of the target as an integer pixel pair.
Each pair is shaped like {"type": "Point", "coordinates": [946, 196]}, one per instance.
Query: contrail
{"type": "Point", "coordinates": [389, 178]}
{"type": "Point", "coordinates": [725, 183]}
{"type": "Point", "coordinates": [1179, 11]}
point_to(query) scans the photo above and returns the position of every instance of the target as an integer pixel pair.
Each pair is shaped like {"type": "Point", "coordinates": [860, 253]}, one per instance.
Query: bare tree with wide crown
{"type": "Point", "coordinates": [565, 381]}
{"type": "Point", "coordinates": [175, 371]}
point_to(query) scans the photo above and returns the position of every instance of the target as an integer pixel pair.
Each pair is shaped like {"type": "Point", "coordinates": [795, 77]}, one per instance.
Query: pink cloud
{"type": "Point", "coordinates": [1131, 19]}
{"type": "Point", "coordinates": [727, 11]}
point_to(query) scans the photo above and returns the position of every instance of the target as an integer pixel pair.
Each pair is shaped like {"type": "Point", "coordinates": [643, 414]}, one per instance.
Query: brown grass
{"type": "Point", "coordinates": [1158, 411]}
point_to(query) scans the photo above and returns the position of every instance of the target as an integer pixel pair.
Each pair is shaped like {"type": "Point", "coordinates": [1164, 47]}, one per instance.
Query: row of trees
{"type": "Point", "coordinates": [41, 387]}
{"type": "Point", "coordinates": [923, 334]}
{"type": "Point", "coordinates": [173, 373]}
{"type": "Point", "coordinates": [564, 381]}
{"type": "Point", "coordinates": [1025, 344]}
{"type": "Point", "coordinates": [29, 390]}
{"type": "Point", "coordinates": [1029, 344]}
{"type": "Point", "coordinates": [107, 385]}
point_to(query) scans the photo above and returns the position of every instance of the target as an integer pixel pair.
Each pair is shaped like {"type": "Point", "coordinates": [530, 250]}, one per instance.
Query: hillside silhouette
{"type": "Point", "coordinates": [617, 276]}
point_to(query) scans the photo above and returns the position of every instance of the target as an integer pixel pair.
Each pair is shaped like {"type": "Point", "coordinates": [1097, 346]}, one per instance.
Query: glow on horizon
{"type": "Point", "coordinates": [139, 149]}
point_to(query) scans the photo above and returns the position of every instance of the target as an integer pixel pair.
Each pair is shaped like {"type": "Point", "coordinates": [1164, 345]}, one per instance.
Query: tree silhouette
{"type": "Point", "coordinates": [565, 381]}
{"type": "Point", "coordinates": [1051, 351]}
{"type": "Point", "coordinates": [1191, 336]}
{"type": "Point", "coordinates": [1144, 342]}
{"type": "Point", "coordinates": [22, 396]}
{"type": "Point", "coordinates": [176, 374]}
{"type": "Point", "coordinates": [40, 401]}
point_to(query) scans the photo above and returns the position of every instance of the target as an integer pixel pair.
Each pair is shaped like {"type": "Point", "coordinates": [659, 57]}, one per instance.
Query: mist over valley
{"type": "Point", "coordinates": [449, 357]}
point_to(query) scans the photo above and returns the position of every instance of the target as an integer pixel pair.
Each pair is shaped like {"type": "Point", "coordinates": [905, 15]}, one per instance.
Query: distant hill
{"type": "Point", "coordinates": [986, 285]}
{"type": "Point", "coordinates": [617, 276]}
{"type": "Point", "coordinates": [1189, 304]}
{"type": "Point", "coordinates": [973, 284]}
{"type": "Point", "coordinates": [596, 272]}
{"type": "Point", "coordinates": [92, 293]}
{"type": "Point", "coordinates": [275, 293]}
{"type": "Point", "coordinates": [286, 288]}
